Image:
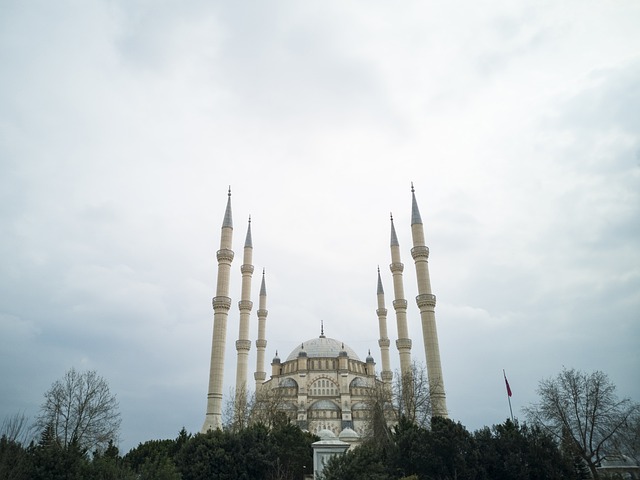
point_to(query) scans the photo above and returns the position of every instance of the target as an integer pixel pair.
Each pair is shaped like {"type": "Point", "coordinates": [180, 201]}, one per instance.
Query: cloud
{"type": "Point", "coordinates": [124, 123]}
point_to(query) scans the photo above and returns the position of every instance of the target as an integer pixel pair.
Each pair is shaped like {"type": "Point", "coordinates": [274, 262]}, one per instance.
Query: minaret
{"type": "Point", "coordinates": [261, 342]}
{"type": "Point", "coordinates": [426, 303]}
{"type": "Point", "coordinates": [221, 304]}
{"type": "Point", "coordinates": [243, 344]}
{"type": "Point", "coordinates": [386, 375]}
{"type": "Point", "coordinates": [400, 304]}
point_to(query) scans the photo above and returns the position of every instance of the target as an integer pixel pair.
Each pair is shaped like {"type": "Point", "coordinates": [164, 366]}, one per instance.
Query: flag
{"type": "Point", "coordinates": [507, 384]}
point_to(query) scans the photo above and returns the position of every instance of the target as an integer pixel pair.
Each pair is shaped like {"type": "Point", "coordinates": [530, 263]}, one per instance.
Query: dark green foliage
{"type": "Point", "coordinates": [292, 449]}
{"type": "Point", "coordinates": [52, 461]}
{"type": "Point", "coordinates": [252, 453]}
{"type": "Point", "coordinates": [367, 462]}
{"type": "Point", "coordinates": [514, 451]}
{"type": "Point", "coordinates": [109, 465]}
{"type": "Point", "coordinates": [151, 451]}
{"type": "Point", "coordinates": [444, 451]}
{"type": "Point", "coordinates": [449, 451]}
{"type": "Point", "coordinates": [156, 459]}
{"type": "Point", "coordinates": [15, 463]}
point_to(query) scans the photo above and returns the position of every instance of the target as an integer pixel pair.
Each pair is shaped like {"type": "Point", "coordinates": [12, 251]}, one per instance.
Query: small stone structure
{"type": "Point", "coordinates": [327, 447]}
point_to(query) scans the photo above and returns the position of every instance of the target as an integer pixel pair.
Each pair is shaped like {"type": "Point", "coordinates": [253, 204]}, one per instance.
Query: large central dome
{"type": "Point", "coordinates": [322, 347]}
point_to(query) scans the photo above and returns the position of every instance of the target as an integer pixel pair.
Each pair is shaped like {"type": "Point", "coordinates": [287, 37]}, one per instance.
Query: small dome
{"type": "Point", "coordinates": [324, 405]}
{"type": "Point", "coordinates": [358, 382]}
{"type": "Point", "coordinates": [325, 434]}
{"type": "Point", "coordinates": [322, 347]}
{"type": "Point", "coordinates": [288, 382]}
{"type": "Point", "coordinates": [370, 358]}
{"type": "Point", "coordinates": [276, 359]}
{"type": "Point", "coordinates": [349, 435]}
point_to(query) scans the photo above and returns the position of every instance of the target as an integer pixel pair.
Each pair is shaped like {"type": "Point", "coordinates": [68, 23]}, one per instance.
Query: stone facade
{"type": "Point", "coordinates": [324, 385]}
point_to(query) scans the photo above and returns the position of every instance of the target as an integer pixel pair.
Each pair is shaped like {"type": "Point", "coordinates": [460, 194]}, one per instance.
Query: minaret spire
{"type": "Point", "coordinates": [426, 303]}
{"type": "Point", "coordinates": [221, 304]}
{"type": "Point", "coordinates": [228, 221]}
{"type": "Point", "coordinates": [386, 375]}
{"type": "Point", "coordinates": [261, 342]}
{"type": "Point", "coordinates": [400, 304]}
{"type": "Point", "coordinates": [243, 344]}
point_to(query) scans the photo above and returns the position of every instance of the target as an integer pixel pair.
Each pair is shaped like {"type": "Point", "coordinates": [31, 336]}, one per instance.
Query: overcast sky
{"type": "Point", "coordinates": [122, 124]}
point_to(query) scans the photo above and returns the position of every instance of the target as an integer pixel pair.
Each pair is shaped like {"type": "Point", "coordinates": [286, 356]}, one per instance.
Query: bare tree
{"type": "Point", "coordinates": [628, 443]}
{"type": "Point", "coordinates": [270, 404]}
{"type": "Point", "coordinates": [237, 410]}
{"type": "Point", "coordinates": [409, 396]}
{"type": "Point", "coordinates": [79, 409]}
{"type": "Point", "coordinates": [16, 428]}
{"type": "Point", "coordinates": [381, 413]}
{"type": "Point", "coordinates": [412, 395]}
{"type": "Point", "coordinates": [583, 411]}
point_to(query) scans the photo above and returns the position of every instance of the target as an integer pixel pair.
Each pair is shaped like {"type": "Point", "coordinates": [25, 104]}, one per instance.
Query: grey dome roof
{"type": "Point", "coordinates": [322, 347]}
{"type": "Point", "coordinates": [348, 434]}
{"type": "Point", "coordinates": [325, 434]}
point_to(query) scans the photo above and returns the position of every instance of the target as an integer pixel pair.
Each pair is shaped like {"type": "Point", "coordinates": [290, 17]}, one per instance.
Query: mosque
{"type": "Point", "coordinates": [323, 383]}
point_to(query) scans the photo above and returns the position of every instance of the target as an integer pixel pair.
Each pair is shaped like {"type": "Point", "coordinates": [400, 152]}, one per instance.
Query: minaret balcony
{"type": "Point", "coordinates": [224, 255]}
{"type": "Point", "coordinates": [426, 300]}
{"type": "Point", "coordinates": [420, 251]}
{"type": "Point", "coordinates": [403, 344]}
{"type": "Point", "coordinates": [245, 305]}
{"type": "Point", "coordinates": [381, 312]}
{"type": "Point", "coordinates": [246, 269]}
{"type": "Point", "coordinates": [396, 267]}
{"type": "Point", "coordinates": [384, 342]}
{"type": "Point", "coordinates": [261, 343]}
{"type": "Point", "coordinates": [262, 312]}
{"type": "Point", "coordinates": [243, 345]}
{"type": "Point", "coordinates": [221, 303]}
{"type": "Point", "coordinates": [400, 304]}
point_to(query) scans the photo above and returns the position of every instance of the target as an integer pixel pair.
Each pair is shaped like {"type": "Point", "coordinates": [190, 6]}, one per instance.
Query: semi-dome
{"type": "Point", "coordinates": [322, 347]}
{"type": "Point", "coordinates": [324, 405]}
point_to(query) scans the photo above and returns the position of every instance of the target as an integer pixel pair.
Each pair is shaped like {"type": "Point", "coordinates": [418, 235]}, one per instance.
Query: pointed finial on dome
{"type": "Point", "coordinates": [263, 288]}
{"type": "Point", "coordinates": [370, 358]}
{"type": "Point", "coordinates": [394, 237]}
{"type": "Point", "coordinates": [302, 345]}
{"type": "Point", "coordinates": [380, 289]}
{"type": "Point", "coordinates": [248, 242]}
{"type": "Point", "coordinates": [228, 221]}
{"type": "Point", "coordinates": [415, 213]}
{"type": "Point", "coordinates": [322, 329]}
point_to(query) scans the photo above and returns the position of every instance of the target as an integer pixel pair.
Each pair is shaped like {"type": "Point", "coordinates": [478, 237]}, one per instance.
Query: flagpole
{"type": "Point", "coordinates": [506, 382]}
